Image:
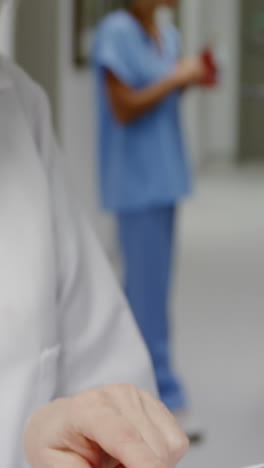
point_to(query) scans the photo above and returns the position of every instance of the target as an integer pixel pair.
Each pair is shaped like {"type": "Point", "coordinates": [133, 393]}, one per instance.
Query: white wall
{"type": "Point", "coordinates": [212, 115]}
{"type": "Point", "coordinates": [191, 15]}
{"type": "Point", "coordinates": [221, 133]}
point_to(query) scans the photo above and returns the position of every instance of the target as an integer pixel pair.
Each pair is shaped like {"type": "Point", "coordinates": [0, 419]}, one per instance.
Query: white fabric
{"type": "Point", "coordinates": [64, 325]}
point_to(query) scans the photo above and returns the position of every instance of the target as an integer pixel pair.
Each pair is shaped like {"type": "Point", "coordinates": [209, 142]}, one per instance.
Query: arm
{"type": "Point", "coordinates": [129, 104]}
{"type": "Point", "coordinates": [100, 343]}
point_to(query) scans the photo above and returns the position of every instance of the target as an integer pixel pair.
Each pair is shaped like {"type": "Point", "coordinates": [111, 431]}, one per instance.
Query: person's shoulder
{"type": "Point", "coordinates": [32, 98]}
{"type": "Point", "coordinates": [116, 30]}
{"type": "Point", "coordinates": [117, 24]}
{"type": "Point", "coordinates": [19, 77]}
{"type": "Point", "coordinates": [29, 92]}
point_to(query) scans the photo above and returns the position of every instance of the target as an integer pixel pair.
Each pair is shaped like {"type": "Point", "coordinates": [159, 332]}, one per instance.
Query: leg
{"type": "Point", "coordinates": [146, 240]}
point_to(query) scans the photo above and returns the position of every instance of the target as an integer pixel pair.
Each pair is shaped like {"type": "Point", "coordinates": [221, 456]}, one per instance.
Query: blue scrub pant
{"type": "Point", "coordinates": [146, 239]}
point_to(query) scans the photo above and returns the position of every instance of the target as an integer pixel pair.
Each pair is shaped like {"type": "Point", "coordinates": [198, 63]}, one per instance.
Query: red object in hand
{"type": "Point", "coordinates": [211, 76]}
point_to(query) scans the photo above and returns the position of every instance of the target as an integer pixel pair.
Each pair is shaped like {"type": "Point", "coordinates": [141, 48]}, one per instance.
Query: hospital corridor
{"type": "Point", "coordinates": [158, 108]}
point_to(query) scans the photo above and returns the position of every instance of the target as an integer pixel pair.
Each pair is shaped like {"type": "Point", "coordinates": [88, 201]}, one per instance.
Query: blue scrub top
{"type": "Point", "coordinates": [142, 164]}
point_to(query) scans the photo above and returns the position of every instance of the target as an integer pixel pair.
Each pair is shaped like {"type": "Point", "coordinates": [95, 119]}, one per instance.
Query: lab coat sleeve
{"type": "Point", "coordinates": [100, 343]}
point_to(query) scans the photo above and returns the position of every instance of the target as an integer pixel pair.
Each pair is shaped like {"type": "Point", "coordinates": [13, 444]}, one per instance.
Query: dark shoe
{"type": "Point", "coordinates": [190, 426]}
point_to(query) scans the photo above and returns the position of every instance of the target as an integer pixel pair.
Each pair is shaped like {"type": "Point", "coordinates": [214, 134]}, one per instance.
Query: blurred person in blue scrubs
{"type": "Point", "coordinates": [144, 167]}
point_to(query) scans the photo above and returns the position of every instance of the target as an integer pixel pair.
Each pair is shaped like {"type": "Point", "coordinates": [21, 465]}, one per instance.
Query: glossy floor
{"type": "Point", "coordinates": [218, 313]}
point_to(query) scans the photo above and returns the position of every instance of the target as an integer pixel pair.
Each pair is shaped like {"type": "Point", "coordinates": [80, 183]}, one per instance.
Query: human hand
{"type": "Point", "coordinates": [112, 427]}
{"type": "Point", "coordinates": [189, 71]}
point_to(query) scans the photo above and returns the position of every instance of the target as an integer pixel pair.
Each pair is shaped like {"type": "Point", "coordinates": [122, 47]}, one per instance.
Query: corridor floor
{"type": "Point", "coordinates": [218, 311]}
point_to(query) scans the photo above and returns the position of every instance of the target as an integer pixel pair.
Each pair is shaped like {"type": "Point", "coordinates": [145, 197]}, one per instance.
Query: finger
{"type": "Point", "coordinates": [161, 417]}
{"type": "Point", "coordinates": [115, 435]}
{"type": "Point", "coordinates": [129, 403]}
{"type": "Point", "coordinates": [59, 459]}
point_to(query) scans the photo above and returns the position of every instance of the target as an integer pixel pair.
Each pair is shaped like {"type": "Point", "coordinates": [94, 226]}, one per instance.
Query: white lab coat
{"type": "Point", "coordinates": [64, 325]}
